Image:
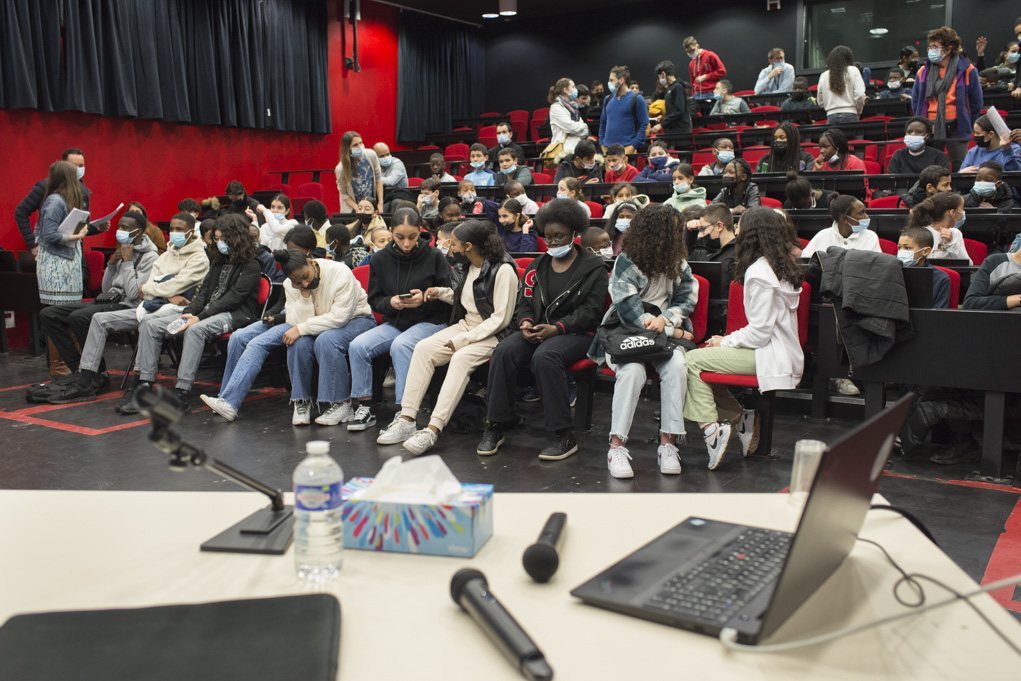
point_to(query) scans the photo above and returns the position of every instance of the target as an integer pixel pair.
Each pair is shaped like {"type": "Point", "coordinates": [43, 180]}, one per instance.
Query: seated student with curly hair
{"type": "Point", "coordinates": [651, 287]}
{"type": "Point", "coordinates": [768, 347]}
{"type": "Point", "coordinates": [226, 300]}
{"type": "Point", "coordinates": [483, 292]}
{"type": "Point", "coordinates": [625, 212]}
{"type": "Point", "coordinates": [559, 306]}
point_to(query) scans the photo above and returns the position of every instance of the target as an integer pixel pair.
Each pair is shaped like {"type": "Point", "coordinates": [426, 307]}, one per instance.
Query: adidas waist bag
{"type": "Point", "coordinates": [624, 344]}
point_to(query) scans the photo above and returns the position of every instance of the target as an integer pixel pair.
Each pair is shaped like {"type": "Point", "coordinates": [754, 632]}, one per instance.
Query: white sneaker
{"type": "Point", "coordinates": [339, 412]}
{"type": "Point", "coordinates": [845, 386]}
{"type": "Point", "coordinates": [716, 440]}
{"type": "Point", "coordinates": [398, 431]}
{"type": "Point", "coordinates": [617, 461]}
{"type": "Point", "coordinates": [747, 432]}
{"type": "Point", "coordinates": [302, 413]}
{"type": "Point", "coordinates": [669, 462]}
{"type": "Point", "coordinates": [220, 406]}
{"type": "Point", "coordinates": [421, 442]}
{"type": "Point", "coordinates": [390, 379]}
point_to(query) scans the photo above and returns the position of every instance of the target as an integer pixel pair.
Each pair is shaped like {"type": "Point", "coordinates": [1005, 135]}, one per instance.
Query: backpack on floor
{"type": "Point", "coordinates": [470, 414]}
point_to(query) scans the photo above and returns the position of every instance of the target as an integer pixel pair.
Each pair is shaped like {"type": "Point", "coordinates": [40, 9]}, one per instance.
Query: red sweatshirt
{"type": "Point", "coordinates": [709, 65]}
{"type": "Point", "coordinates": [626, 175]}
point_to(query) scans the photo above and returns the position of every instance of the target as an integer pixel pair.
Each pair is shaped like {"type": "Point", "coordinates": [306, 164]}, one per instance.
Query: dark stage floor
{"type": "Point", "coordinates": [88, 446]}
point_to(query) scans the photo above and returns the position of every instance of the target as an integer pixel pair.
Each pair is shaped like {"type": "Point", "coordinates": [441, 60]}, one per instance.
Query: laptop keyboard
{"type": "Point", "coordinates": [721, 585]}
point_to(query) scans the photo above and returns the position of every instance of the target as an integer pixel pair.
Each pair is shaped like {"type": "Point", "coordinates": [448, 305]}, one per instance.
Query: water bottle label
{"type": "Point", "coordinates": [317, 497]}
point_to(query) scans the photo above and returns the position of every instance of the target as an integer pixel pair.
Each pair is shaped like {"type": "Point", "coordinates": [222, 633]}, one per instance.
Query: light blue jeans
{"type": "Point", "coordinates": [374, 343]}
{"type": "Point", "coordinates": [673, 382]}
{"type": "Point", "coordinates": [247, 349]}
{"type": "Point", "coordinates": [330, 349]}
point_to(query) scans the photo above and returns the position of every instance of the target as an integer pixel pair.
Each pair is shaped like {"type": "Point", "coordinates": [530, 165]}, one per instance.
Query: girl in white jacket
{"type": "Point", "coordinates": [768, 347]}
{"type": "Point", "coordinates": [565, 120]}
{"type": "Point", "coordinates": [277, 224]}
{"type": "Point", "coordinates": [326, 309]}
{"type": "Point", "coordinates": [943, 215]}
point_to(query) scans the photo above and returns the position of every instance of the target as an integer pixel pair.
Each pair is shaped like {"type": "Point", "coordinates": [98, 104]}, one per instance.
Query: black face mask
{"type": "Point", "coordinates": [798, 95]}
{"type": "Point", "coordinates": [979, 141]}
{"type": "Point", "coordinates": [461, 258]}
{"type": "Point", "coordinates": [780, 147]}
{"type": "Point", "coordinates": [242, 202]}
{"type": "Point", "coordinates": [314, 284]}
{"type": "Point", "coordinates": [729, 181]}
{"type": "Point", "coordinates": [365, 218]}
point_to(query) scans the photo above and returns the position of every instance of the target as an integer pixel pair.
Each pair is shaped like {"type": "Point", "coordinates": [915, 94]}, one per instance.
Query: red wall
{"type": "Point", "coordinates": [161, 163]}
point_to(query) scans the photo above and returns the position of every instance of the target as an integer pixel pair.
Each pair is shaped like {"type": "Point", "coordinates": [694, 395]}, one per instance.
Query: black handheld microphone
{"type": "Point", "coordinates": [469, 590]}
{"type": "Point", "coordinates": [540, 559]}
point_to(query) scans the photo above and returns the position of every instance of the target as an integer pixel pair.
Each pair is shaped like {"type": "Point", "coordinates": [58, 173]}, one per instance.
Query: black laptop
{"type": "Point", "coordinates": [704, 575]}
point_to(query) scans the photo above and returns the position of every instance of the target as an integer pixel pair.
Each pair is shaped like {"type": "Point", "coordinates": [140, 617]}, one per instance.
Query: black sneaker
{"type": "Point", "coordinates": [563, 446]}
{"type": "Point", "coordinates": [961, 452]}
{"type": "Point", "coordinates": [101, 383]}
{"type": "Point", "coordinates": [362, 419]}
{"type": "Point", "coordinates": [492, 438]}
{"type": "Point", "coordinates": [72, 393]}
{"type": "Point", "coordinates": [40, 392]}
{"type": "Point", "coordinates": [126, 404]}
{"type": "Point", "coordinates": [183, 399]}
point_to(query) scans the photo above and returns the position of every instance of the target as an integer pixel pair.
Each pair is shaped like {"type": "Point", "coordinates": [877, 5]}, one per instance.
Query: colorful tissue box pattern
{"type": "Point", "coordinates": [458, 529]}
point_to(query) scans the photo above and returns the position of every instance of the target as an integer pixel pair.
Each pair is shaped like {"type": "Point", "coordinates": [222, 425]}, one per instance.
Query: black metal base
{"type": "Point", "coordinates": [266, 532]}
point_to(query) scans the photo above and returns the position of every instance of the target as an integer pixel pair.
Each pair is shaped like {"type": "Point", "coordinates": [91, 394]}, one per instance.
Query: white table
{"type": "Point", "coordinates": [80, 550]}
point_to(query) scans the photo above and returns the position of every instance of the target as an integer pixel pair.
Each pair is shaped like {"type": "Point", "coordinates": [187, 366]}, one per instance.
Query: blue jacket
{"type": "Point", "coordinates": [968, 105]}
{"type": "Point", "coordinates": [47, 232]}
{"type": "Point", "coordinates": [618, 126]}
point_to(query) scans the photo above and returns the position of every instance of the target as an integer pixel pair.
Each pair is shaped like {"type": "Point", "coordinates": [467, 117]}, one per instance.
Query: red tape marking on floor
{"type": "Point", "coordinates": [1006, 560]}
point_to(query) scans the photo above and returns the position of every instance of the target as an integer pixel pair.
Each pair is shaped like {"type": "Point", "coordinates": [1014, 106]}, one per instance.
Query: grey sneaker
{"type": "Point", "coordinates": [302, 413]}
{"type": "Point", "coordinates": [339, 412]}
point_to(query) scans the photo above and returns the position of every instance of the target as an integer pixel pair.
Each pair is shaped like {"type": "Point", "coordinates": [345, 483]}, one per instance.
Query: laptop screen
{"type": "Point", "coordinates": [848, 476]}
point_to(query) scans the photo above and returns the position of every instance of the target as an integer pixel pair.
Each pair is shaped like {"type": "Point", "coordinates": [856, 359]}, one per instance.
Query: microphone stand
{"type": "Point", "coordinates": [267, 531]}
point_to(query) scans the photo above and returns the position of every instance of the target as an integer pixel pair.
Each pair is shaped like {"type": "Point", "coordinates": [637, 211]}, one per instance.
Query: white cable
{"type": "Point", "coordinates": [728, 636]}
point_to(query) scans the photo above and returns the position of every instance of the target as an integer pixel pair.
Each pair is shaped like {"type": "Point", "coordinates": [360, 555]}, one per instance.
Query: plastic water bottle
{"type": "Point", "coordinates": [176, 325]}
{"type": "Point", "coordinates": [318, 529]}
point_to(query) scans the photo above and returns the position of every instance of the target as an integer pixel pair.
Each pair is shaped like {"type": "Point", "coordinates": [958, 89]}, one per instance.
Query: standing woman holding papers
{"type": "Point", "coordinates": [59, 264]}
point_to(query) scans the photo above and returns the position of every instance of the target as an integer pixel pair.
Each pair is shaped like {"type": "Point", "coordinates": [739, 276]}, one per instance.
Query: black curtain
{"type": "Point", "coordinates": [440, 75]}
{"type": "Point", "coordinates": [238, 63]}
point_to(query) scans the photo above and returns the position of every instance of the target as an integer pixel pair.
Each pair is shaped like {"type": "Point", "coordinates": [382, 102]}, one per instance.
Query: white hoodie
{"type": "Point", "coordinates": [338, 299]}
{"type": "Point", "coordinates": [771, 307]}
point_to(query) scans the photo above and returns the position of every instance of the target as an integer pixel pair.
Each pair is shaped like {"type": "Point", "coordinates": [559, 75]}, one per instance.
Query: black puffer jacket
{"type": "Point", "coordinates": [870, 300]}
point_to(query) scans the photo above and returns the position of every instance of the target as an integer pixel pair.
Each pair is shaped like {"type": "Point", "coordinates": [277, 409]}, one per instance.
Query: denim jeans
{"type": "Point", "coordinates": [247, 349]}
{"type": "Point", "coordinates": [330, 349]}
{"type": "Point", "coordinates": [377, 341]}
{"type": "Point", "coordinates": [673, 379]}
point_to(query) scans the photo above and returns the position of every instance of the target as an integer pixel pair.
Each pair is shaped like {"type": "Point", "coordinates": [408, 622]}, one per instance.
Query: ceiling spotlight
{"type": "Point", "coordinates": [879, 31]}
{"type": "Point", "coordinates": [508, 8]}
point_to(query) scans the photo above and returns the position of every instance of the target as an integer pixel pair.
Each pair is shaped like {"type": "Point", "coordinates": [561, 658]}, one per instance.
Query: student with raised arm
{"type": "Point", "coordinates": [651, 287]}
{"type": "Point", "coordinates": [559, 307]}
{"type": "Point", "coordinates": [483, 292]}
{"type": "Point", "coordinates": [276, 222]}
{"type": "Point", "coordinates": [768, 347]}
{"type": "Point", "coordinates": [778, 76]}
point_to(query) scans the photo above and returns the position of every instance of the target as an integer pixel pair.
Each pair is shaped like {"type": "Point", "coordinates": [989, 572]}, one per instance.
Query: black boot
{"type": "Point", "coordinates": [492, 438]}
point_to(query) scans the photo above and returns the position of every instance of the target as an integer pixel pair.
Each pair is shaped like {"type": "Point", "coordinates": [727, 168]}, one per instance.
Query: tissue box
{"type": "Point", "coordinates": [459, 529]}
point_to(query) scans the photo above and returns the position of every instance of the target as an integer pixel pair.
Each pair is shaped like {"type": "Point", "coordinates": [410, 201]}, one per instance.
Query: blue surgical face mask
{"type": "Point", "coordinates": [573, 94]}
{"type": "Point", "coordinates": [680, 187]}
{"type": "Point", "coordinates": [477, 164]}
{"type": "Point", "coordinates": [612, 87]}
{"type": "Point", "coordinates": [357, 152]}
{"type": "Point", "coordinates": [508, 171]}
{"type": "Point", "coordinates": [563, 195]}
{"type": "Point", "coordinates": [179, 239]}
{"type": "Point", "coordinates": [124, 236]}
{"type": "Point", "coordinates": [985, 188]}
{"type": "Point", "coordinates": [622, 224]}
{"type": "Point", "coordinates": [386, 161]}
{"type": "Point", "coordinates": [725, 156]}
{"type": "Point", "coordinates": [560, 251]}
{"type": "Point", "coordinates": [960, 223]}
{"type": "Point", "coordinates": [717, 95]}
{"type": "Point", "coordinates": [914, 142]}
{"type": "Point", "coordinates": [934, 55]}
{"type": "Point", "coordinates": [279, 216]}
{"type": "Point", "coordinates": [1012, 57]}
{"type": "Point", "coordinates": [503, 138]}
{"type": "Point", "coordinates": [862, 225]}
{"type": "Point", "coordinates": [907, 258]}
{"type": "Point", "coordinates": [427, 200]}
{"type": "Point", "coordinates": [223, 247]}
{"type": "Point", "coordinates": [81, 169]}
{"type": "Point", "coordinates": [332, 251]}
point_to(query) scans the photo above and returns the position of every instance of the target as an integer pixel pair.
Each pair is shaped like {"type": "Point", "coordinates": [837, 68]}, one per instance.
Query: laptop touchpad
{"type": "Point", "coordinates": [650, 564]}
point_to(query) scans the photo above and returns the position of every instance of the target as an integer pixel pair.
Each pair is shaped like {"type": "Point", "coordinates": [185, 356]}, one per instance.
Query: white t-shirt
{"type": "Point", "coordinates": [865, 240]}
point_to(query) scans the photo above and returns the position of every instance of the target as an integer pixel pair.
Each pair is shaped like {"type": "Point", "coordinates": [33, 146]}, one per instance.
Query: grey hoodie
{"type": "Point", "coordinates": [124, 277]}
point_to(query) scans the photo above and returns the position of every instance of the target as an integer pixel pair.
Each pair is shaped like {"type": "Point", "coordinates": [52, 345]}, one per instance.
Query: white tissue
{"type": "Point", "coordinates": [425, 480]}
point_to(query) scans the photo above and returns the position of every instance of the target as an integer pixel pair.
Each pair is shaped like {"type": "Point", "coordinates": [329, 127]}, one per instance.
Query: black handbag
{"type": "Point", "coordinates": [624, 344]}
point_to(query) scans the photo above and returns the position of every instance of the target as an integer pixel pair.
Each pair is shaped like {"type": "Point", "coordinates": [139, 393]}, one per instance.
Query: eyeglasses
{"type": "Point", "coordinates": [559, 239]}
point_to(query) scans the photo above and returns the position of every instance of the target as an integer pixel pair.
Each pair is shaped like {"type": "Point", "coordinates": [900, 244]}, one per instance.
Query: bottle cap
{"type": "Point", "coordinates": [317, 447]}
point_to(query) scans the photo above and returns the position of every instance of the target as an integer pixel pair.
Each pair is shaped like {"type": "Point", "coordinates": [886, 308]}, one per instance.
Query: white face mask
{"type": "Point", "coordinates": [617, 168]}
{"type": "Point", "coordinates": [834, 159]}
{"type": "Point", "coordinates": [81, 172]}
{"type": "Point", "coordinates": [606, 251]}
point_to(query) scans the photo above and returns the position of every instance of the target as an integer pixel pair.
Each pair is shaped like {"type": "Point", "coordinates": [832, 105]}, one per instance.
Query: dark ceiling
{"type": "Point", "coordinates": [471, 10]}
